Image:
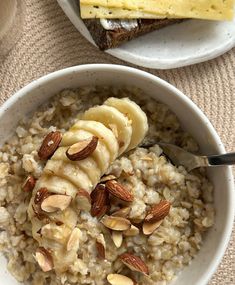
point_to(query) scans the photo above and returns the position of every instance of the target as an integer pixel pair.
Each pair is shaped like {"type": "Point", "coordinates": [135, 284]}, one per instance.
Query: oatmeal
{"type": "Point", "coordinates": [153, 214]}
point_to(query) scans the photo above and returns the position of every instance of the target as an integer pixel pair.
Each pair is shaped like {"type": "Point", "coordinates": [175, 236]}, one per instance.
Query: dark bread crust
{"type": "Point", "coordinates": [106, 39]}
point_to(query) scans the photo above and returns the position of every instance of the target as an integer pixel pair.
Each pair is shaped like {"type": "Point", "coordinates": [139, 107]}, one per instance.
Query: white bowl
{"type": "Point", "coordinates": [192, 120]}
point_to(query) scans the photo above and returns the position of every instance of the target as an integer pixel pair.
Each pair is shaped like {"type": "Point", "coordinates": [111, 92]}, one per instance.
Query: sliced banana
{"type": "Point", "coordinates": [88, 165]}
{"type": "Point", "coordinates": [101, 154]}
{"type": "Point", "coordinates": [114, 120]}
{"type": "Point", "coordinates": [136, 116]}
{"type": "Point", "coordinates": [104, 134]}
{"type": "Point", "coordinates": [69, 171]}
{"type": "Point", "coordinates": [58, 185]}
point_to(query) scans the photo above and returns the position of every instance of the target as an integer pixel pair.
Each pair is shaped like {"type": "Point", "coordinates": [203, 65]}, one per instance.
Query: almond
{"type": "Point", "coordinates": [29, 184]}
{"type": "Point", "coordinates": [150, 227]}
{"type": "Point", "coordinates": [116, 223]}
{"type": "Point", "coordinates": [74, 239]}
{"type": "Point", "coordinates": [134, 262]}
{"type": "Point", "coordinates": [100, 201]}
{"type": "Point", "coordinates": [49, 145]}
{"type": "Point", "coordinates": [119, 191]}
{"type": "Point", "coordinates": [40, 195]}
{"type": "Point", "coordinates": [44, 259]}
{"type": "Point", "coordinates": [158, 212]}
{"type": "Point", "coordinates": [118, 279]}
{"type": "Point", "coordinates": [100, 250]}
{"type": "Point", "coordinates": [106, 178]}
{"type": "Point", "coordinates": [83, 200]}
{"type": "Point", "coordinates": [123, 212]}
{"type": "Point", "coordinates": [82, 149]}
{"type": "Point", "coordinates": [55, 202]}
{"type": "Point", "coordinates": [132, 231]}
{"type": "Point", "coordinates": [117, 238]}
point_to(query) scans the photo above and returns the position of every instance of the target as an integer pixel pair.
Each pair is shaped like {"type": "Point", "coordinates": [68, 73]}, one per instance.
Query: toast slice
{"type": "Point", "coordinates": [106, 38]}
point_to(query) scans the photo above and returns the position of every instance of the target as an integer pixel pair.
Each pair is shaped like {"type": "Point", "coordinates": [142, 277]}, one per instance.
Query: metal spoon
{"type": "Point", "coordinates": [191, 161]}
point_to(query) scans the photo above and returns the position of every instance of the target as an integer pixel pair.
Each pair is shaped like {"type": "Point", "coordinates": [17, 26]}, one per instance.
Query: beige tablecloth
{"type": "Point", "coordinates": [50, 42]}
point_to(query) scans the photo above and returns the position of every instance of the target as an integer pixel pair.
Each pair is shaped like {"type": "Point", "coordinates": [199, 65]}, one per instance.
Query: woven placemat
{"type": "Point", "coordinates": [50, 42]}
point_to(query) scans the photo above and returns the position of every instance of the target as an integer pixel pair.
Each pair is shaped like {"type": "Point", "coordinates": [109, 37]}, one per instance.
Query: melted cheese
{"type": "Point", "coordinates": [200, 9]}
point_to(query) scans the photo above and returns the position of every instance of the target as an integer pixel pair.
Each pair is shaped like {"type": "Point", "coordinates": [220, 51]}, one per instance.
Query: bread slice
{"type": "Point", "coordinates": [106, 39]}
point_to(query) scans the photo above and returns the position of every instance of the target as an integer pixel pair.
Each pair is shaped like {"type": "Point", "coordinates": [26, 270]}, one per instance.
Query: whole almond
{"type": "Point", "coordinates": [55, 202]}
{"type": "Point", "coordinates": [100, 201]}
{"type": "Point", "coordinates": [40, 195]}
{"type": "Point", "coordinates": [44, 259]}
{"type": "Point", "coordinates": [29, 184]}
{"type": "Point", "coordinates": [135, 263]}
{"type": "Point", "coordinates": [119, 191]}
{"type": "Point", "coordinates": [118, 279]}
{"type": "Point", "coordinates": [116, 223]}
{"type": "Point", "coordinates": [83, 200]}
{"type": "Point", "coordinates": [49, 145]}
{"type": "Point", "coordinates": [82, 149]}
{"type": "Point", "coordinates": [123, 212]}
{"type": "Point", "coordinates": [150, 227]}
{"type": "Point", "coordinates": [158, 212]}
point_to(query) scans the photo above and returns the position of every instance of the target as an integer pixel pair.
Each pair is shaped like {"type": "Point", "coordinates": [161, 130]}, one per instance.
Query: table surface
{"type": "Point", "coordinates": [50, 42]}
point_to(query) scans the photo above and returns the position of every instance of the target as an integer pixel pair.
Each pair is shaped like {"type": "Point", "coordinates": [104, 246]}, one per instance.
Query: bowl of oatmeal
{"type": "Point", "coordinates": [83, 203]}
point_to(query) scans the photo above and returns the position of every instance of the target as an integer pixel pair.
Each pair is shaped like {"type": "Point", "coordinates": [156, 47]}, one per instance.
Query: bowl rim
{"type": "Point", "coordinates": [220, 251]}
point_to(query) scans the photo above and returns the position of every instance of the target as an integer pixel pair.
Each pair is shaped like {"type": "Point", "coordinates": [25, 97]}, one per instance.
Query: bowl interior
{"type": "Point", "coordinates": [192, 120]}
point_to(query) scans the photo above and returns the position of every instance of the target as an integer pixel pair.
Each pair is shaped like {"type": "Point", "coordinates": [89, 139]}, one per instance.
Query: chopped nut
{"type": "Point", "coordinates": [116, 223]}
{"type": "Point", "coordinates": [74, 239]}
{"type": "Point", "coordinates": [49, 145]}
{"type": "Point", "coordinates": [117, 238]}
{"type": "Point", "coordinates": [82, 149]}
{"type": "Point", "coordinates": [40, 195]}
{"type": "Point", "coordinates": [29, 184]}
{"type": "Point", "coordinates": [118, 279]}
{"type": "Point", "coordinates": [150, 227]}
{"type": "Point", "coordinates": [106, 178]}
{"type": "Point", "coordinates": [55, 202]}
{"type": "Point", "coordinates": [123, 212]}
{"type": "Point", "coordinates": [83, 200]}
{"type": "Point", "coordinates": [44, 259]}
{"type": "Point", "coordinates": [132, 231]}
{"type": "Point", "coordinates": [134, 262]}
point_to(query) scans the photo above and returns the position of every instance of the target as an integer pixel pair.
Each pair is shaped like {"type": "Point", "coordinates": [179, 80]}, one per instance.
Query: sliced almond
{"type": "Point", "coordinates": [158, 212]}
{"type": "Point", "coordinates": [55, 202]}
{"type": "Point", "coordinates": [123, 212]}
{"type": "Point", "coordinates": [29, 184]}
{"type": "Point", "coordinates": [118, 279]}
{"type": "Point", "coordinates": [100, 250]}
{"type": "Point", "coordinates": [132, 231]}
{"type": "Point", "coordinates": [117, 238]}
{"type": "Point", "coordinates": [134, 262]}
{"type": "Point", "coordinates": [106, 178]}
{"type": "Point", "coordinates": [49, 145]}
{"type": "Point", "coordinates": [119, 191]}
{"type": "Point", "coordinates": [100, 201]}
{"type": "Point", "coordinates": [150, 227]}
{"type": "Point", "coordinates": [44, 259]}
{"type": "Point", "coordinates": [116, 223]}
{"type": "Point", "coordinates": [83, 200]}
{"type": "Point", "coordinates": [82, 149]}
{"type": "Point", "coordinates": [40, 195]}
{"type": "Point", "coordinates": [74, 239]}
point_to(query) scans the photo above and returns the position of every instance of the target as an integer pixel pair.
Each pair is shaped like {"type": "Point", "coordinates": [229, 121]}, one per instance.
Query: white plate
{"type": "Point", "coordinates": [178, 45]}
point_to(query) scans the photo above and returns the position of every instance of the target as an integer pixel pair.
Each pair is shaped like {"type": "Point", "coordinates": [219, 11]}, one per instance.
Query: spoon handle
{"type": "Point", "coordinates": [222, 159]}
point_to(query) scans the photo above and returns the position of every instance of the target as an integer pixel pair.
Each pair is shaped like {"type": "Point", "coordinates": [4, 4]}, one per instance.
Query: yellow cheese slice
{"type": "Point", "coordinates": [100, 12]}
{"type": "Point", "coordinates": [200, 9]}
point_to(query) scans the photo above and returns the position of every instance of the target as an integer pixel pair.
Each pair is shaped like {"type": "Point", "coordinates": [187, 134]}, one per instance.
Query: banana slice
{"type": "Point", "coordinates": [88, 165]}
{"type": "Point", "coordinates": [101, 154]}
{"type": "Point", "coordinates": [104, 134]}
{"type": "Point", "coordinates": [114, 120]}
{"type": "Point", "coordinates": [58, 185]}
{"type": "Point", "coordinates": [135, 115]}
{"type": "Point", "coordinates": [70, 172]}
